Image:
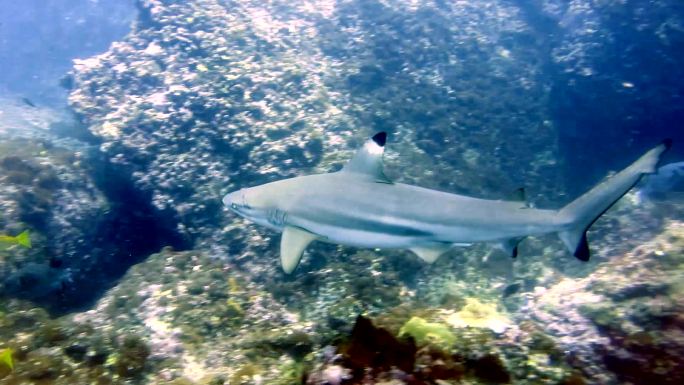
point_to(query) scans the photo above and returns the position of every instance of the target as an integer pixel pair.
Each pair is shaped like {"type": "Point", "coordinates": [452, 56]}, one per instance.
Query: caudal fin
{"type": "Point", "coordinates": [581, 213]}
{"type": "Point", "coordinates": [24, 239]}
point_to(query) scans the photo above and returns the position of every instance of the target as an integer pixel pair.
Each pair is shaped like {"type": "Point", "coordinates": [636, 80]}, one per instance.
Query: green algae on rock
{"type": "Point", "coordinates": [479, 315]}
{"type": "Point", "coordinates": [426, 333]}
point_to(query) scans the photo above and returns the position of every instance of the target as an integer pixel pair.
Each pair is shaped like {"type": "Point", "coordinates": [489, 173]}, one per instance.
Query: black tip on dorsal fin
{"type": "Point", "coordinates": [380, 138]}
{"type": "Point", "coordinates": [667, 142]}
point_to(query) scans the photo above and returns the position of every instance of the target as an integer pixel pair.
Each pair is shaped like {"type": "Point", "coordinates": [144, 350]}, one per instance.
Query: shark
{"type": "Point", "coordinates": [359, 206]}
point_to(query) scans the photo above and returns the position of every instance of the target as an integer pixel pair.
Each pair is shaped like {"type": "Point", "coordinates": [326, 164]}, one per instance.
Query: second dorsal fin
{"type": "Point", "coordinates": [519, 195]}
{"type": "Point", "coordinates": [367, 161]}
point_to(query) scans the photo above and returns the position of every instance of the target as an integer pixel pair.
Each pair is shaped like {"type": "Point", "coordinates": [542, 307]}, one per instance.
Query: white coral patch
{"type": "Point", "coordinates": [154, 49]}
{"type": "Point", "coordinates": [110, 129]}
{"type": "Point", "coordinates": [86, 64]}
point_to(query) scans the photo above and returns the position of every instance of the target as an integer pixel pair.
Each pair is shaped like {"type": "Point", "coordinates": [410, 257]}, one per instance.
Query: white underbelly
{"type": "Point", "coordinates": [361, 238]}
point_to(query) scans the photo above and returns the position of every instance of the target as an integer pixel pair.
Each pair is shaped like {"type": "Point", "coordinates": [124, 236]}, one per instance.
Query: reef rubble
{"type": "Point", "coordinates": [184, 317]}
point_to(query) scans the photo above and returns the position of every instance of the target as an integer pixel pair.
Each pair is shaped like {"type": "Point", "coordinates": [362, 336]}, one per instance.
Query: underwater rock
{"type": "Point", "coordinates": [35, 281]}
{"type": "Point", "coordinates": [70, 203]}
{"type": "Point", "coordinates": [227, 327]}
{"type": "Point", "coordinates": [377, 348]}
{"type": "Point", "coordinates": [197, 319]}
{"type": "Point", "coordinates": [48, 190]}
{"type": "Point", "coordinates": [622, 322]}
{"type": "Point", "coordinates": [479, 315]}
{"type": "Point", "coordinates": [132, 356]}
{"type": "Point", "coordinates": [637, 84]}
{"type": "Point", "coordinates": [426, 333]}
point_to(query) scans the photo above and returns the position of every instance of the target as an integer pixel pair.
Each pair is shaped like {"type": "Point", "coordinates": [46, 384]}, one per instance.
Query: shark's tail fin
{"type": "Point", "coordinates": [581, 213]}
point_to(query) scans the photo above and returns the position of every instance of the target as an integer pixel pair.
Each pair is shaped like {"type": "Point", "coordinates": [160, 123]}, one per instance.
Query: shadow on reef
{"type": "Point", "coordinates": [88, 222]}
{"type": "Point", "coordinates": [131, 230]}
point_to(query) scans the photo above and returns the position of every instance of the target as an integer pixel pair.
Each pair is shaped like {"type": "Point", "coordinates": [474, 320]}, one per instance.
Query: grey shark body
{"type": "Point", "coordinates": [358, 206]}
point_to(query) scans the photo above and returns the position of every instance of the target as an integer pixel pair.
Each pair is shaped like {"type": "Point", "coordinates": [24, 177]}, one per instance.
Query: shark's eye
{"type": "Point", "coordinates": [234, 206]}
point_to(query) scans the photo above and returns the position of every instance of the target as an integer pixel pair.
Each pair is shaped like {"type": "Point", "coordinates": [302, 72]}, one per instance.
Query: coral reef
{"type": "Point", "coordinates": [48, 190]}
{"type": "Point", "coordinates": [623, 322]}
{"type": "Point", "coordinates": [479, 315]}
{"type": "Point", "coordinates": [189, 318]}
{"type": "Point", "coordinates": [426, 352]}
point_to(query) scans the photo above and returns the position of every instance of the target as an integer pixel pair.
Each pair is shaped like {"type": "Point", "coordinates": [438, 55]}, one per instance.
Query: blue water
{"type": "Point", "coordinates": [39, 39]}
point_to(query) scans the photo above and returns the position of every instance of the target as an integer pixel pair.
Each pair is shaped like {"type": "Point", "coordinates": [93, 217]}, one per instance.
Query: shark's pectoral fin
{"type": "Point", "coordinates": [430, 253]}
{"type": "Point", "coordinates": [367, 162]}
{"type": "Point", "coordinates": [510, 246]}
{"type": "Point", "coordinates": [292, 244]}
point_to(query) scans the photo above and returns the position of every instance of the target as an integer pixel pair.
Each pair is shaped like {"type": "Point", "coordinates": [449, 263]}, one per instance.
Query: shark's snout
{"type": "Point", "coordinates": [228, 199]}
{"type": "Point", "coordinates": [234, 200]}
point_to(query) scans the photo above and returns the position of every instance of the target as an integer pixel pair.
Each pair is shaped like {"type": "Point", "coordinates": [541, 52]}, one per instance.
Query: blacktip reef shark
{"type": "Point", "coordinates": [359, 206]}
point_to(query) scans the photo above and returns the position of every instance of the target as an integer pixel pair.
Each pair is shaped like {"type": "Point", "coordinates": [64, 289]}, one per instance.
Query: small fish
{"type": "Point", "coordinates": [22, 239]}
{"type": "Point", "coordinates": [28, 102]}
{"type": "Point", "coordinates": [6, 358]}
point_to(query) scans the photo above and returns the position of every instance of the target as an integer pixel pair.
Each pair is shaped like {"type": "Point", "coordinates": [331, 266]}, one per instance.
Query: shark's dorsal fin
{"type": "Point", "coordinates": [292, 244]}
{"type": "Point", "coordinates": [519, 195]}
{"type": "Point", "coordinates": [368, 159]}
{"type": "Point", "coordinates": [430, 253]}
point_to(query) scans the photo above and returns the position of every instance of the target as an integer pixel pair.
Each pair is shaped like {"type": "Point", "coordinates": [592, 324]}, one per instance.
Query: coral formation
{"type": "Point", "coordinates": [479, 315]}
{"type": "Point", "coordinates": [622, 321]}
{"type": "Point", "coordinates": [427, 333]}
{"type": "Point", "coordinates": [48, 190]}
